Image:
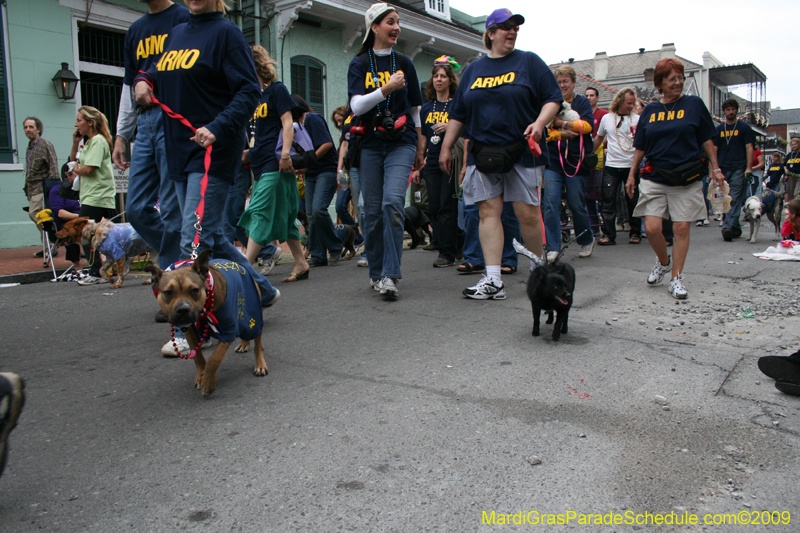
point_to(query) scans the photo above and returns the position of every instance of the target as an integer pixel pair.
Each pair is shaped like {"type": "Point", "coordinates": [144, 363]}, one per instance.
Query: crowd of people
{"type": "Point", "coordinates": [227, 159]}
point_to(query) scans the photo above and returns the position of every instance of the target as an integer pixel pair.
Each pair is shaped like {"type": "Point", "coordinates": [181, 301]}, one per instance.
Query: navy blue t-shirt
{"type": "Point", "coordinates": [434, 112]}
{"type": "Point", "coordinates": [363, 81]}
{"type": "Point", "coordinates": [275, 101]}
{"type": "Point", "coordinates": [674, 134]}
{"type": "Point", "coordinates": [731, 144]}
{"type": "Point", "coordinates": [571, 148]}
{"type": "Point", "coordinates": [320, 134]}
{"type": "Point", "coordinates": [206, 74]}
{"type": "Point", "coordinates": [497, 98]}
{"type": "Point", "coordinates": [774, 173]}
{"type": "Point", "coordinates": [792, 163]}
{"type": "Point", "coordinates": [146, 38]}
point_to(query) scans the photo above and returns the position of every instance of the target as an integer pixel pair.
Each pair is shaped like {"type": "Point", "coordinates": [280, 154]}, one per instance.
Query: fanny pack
{"type": "Point", "coordinates": [685, 174]}
{"type": "Point", "coordinates": [497, 159]}
{"type": "Point", "coordinates": [394, 133]}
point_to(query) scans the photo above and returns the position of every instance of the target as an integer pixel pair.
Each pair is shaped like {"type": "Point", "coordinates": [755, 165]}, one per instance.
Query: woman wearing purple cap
{"type": "Point", "coordinates": [385, 95]}
{"type": "Point", "coordinates": [502, 99]}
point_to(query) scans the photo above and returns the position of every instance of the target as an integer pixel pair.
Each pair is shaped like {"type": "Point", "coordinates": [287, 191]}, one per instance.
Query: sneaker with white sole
{"type": "Point", "coordinates": [657, 275]}
{"type": "Point", "coordinates": [551, 256]}
{"type": "Point", "coordinates": [181, 347]}
{"type": "Point", "coordinates": [12, 398]}
{"type": "Point", "coordinates": [389, 287]}
{"type": "Point", "coordinates": [676, 288]}
{"type": "Point", "coordinates": [92, 280]}
{"type": "Point", "coordinates": [265, 266]}
{"type": "Point", "coordinates": [363, 262]}
{"type": "Point", "coordinates": [375, 284]}
{"type": "Point", "coordinates": [486, 289]}
{"type": "Point", "coordinates": [586, 250]}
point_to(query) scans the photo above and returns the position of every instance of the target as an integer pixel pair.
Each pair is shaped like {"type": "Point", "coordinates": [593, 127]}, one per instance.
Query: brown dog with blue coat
{"type": "Point", "coordinates": [212, 298]}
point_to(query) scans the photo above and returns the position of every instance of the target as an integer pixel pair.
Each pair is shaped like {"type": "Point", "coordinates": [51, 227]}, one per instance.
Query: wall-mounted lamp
{"type": "Point", "coordinates": [65, 82]}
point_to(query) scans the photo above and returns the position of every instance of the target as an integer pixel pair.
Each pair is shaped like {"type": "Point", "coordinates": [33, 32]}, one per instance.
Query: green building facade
{"type": "Point", "coordinates": [313, 42]}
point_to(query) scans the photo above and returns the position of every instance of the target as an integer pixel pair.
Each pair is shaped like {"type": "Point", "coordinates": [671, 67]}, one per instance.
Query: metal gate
{"type": "Point", "coordinates": [103, 92]}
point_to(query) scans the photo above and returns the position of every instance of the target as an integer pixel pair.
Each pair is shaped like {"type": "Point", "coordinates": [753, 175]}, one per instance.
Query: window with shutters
{"type": "Point", "coordinates": [308, 80]}
{"type": "Point", "coordinates": [438, 8]}
{"type": "Point", "coordinates": [6, 144]}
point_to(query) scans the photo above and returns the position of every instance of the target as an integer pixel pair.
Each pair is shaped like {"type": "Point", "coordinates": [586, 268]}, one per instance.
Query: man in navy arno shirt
{"type": "Point", "coordinates": [734, 144]}
{"type": "Point", "coordinates": [148, 181]}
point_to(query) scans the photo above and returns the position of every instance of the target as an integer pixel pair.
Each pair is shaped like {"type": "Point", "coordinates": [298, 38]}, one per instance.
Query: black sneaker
{"type": "Point", "coordinates": [727, 234]}
{"type": "Point", "coordinates": [12, 398]}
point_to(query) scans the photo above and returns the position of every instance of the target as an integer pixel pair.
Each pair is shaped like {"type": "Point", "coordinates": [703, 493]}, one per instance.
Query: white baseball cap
{"type": "Point", "coordinates": [374, 11]}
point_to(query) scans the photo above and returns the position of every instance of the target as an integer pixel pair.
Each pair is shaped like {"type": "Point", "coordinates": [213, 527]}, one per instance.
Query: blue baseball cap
{"type": "Point", "coordinates": [499, 16]}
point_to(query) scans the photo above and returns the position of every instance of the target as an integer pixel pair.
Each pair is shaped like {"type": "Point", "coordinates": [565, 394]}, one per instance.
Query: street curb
{"type": "Point", "coordinates": [25, 278]}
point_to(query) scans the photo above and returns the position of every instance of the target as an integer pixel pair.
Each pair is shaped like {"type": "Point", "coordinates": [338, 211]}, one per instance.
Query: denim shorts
{"type": "Point", "coordinates": [521, 184]}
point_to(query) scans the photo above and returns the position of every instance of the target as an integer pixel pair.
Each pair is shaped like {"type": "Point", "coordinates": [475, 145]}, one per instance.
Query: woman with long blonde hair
{"type": "Point", "coordinates": [93, 165]}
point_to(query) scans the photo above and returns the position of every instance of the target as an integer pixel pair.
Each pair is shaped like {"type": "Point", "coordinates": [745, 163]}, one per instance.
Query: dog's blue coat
{"type": "Point", "coordinates": [241, 314]}
{"type": "Point", "coordinates": [122, 240]}
{"type": "Point", "coordinates": [768, 199]}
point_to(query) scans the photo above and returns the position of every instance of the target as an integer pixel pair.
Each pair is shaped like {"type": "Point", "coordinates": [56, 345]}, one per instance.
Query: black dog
{"type": "Point", "coordinates": [416, 219]}
{"type": "Point", "coordinates": [550, 288]}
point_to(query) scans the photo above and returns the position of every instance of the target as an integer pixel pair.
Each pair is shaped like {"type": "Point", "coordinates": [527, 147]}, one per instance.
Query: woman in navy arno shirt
{"type": "Point", "coordinates": [442, 187]}
{"type": "Point", "coordinates": [207, 75]}
{"type": "Point", "coordinates": [383, 87]}
{"type": "Point", "coordinates": [502, 98]}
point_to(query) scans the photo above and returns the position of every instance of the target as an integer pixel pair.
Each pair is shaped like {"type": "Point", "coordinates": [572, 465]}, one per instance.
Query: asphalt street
{"type": "Point", "coordinates": [423, 414]}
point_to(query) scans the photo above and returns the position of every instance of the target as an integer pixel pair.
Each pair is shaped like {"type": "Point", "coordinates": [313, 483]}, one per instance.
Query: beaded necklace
{"type": "Point", "coordinates": [436, 138]}
{"type": "Point", "coordinates": [616, 134]}
{"type": "Point", "coordinates": [374, 72]}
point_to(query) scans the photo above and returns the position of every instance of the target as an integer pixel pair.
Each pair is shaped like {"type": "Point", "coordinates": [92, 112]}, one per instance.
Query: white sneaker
{"type": "Point", "coordinates": [551, 256]}
{"type": "Point", "coordinates": [265, 266]}
{"type": "Point", "coordinates": [389, 287]}
{"type": "Point", "coordinates": [657, 275]}
{"type": "Point", "coordinates": [375, 284]}
{"type": "Point", "coordinates": [676, 288]}
{"type": "Point", "coordinates": [486, 289]}
{"type": "Point", "coordinates": [181, 348]}
{"type": "Point", "coordinates": [92, 280]}
{"type": "Point", "coordinates": [706, 222]}
{"type": "Point", "coordinates": [586, 251]}
{"type": "Point", "coordinates": [363, 262]}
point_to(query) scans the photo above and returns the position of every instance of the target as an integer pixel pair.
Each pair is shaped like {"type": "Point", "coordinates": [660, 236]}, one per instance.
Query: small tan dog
{"type": "Point", "coordinates": [221, 299]}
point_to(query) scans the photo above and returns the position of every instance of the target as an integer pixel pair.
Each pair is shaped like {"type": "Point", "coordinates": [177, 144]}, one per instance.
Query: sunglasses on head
{"type": "Point", "coordinates": [508, 26]}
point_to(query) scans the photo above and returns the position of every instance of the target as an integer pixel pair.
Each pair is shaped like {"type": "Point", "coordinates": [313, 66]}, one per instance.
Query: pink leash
{"type": "Point", "coordinates": [562, 159]}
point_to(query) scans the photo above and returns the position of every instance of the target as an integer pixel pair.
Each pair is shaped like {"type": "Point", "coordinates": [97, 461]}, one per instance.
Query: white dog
{"type": "Point", "coordinates": [769, 202]}
{"type": "Point", "coordinates": [567, 114]}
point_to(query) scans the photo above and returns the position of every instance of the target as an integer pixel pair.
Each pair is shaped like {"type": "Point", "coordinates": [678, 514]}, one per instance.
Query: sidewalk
{"type": "Point", "coordinates": [18, 265]}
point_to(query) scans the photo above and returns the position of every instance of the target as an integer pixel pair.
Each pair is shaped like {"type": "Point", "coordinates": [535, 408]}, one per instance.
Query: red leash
{"type": "Point", "coordinates": [201, 207]}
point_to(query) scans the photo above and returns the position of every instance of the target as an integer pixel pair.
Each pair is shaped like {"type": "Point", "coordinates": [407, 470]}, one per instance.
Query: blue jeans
{"type": "Point", "coordinates": [384, 172]}
{"type": "Point", "coordinates": [321, 236]}
{"type": "Point", "coordinates": [473, 253]}
{"type": "Point", "coordinates": [234, 207]}
{"type": "Point", "coordinates": [212, 235]}
{"type": "Point", "coordinates": [554, 183]}
{"type": "Point", "coordinates": [343, 198]}
{"type": "Point", "coordinates": [148, 183]}
{"type": "Point", "coordinates": [738, 185]}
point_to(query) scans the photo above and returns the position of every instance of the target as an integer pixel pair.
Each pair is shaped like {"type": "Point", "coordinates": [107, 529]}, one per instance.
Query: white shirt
{"type": "Point", "coordinates": [619, 139]}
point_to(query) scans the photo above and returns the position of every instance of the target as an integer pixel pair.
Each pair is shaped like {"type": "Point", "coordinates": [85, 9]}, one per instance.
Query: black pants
{"type": "Point", "coordinates": [613, 178]}
{"type": "Point", "coordinates": [96, 214]}
{"type": "Point", "coordinates": [443, 207]}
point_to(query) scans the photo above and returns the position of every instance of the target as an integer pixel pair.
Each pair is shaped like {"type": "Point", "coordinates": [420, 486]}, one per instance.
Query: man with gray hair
{"type": "Point", "coordinates": [40, 164]}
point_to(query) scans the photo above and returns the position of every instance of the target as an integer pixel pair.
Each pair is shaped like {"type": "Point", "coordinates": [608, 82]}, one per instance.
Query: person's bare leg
{"type": "Point", "coordinates": [300, 263]}
{"type": "Point", "coordinates": [253, 249]}
{"type": "Point", "coordinates": [653, 226]}
{"type": "Point", "coordinates": [681, 247]}
{"type": "Point", "coordinates": [490, 230]}
{"type": "Point", "coordinates": [530, 225]}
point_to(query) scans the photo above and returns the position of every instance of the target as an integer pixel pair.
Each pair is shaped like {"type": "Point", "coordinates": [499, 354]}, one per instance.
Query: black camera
{"type": "Point", "coordinates": [384, 120]}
